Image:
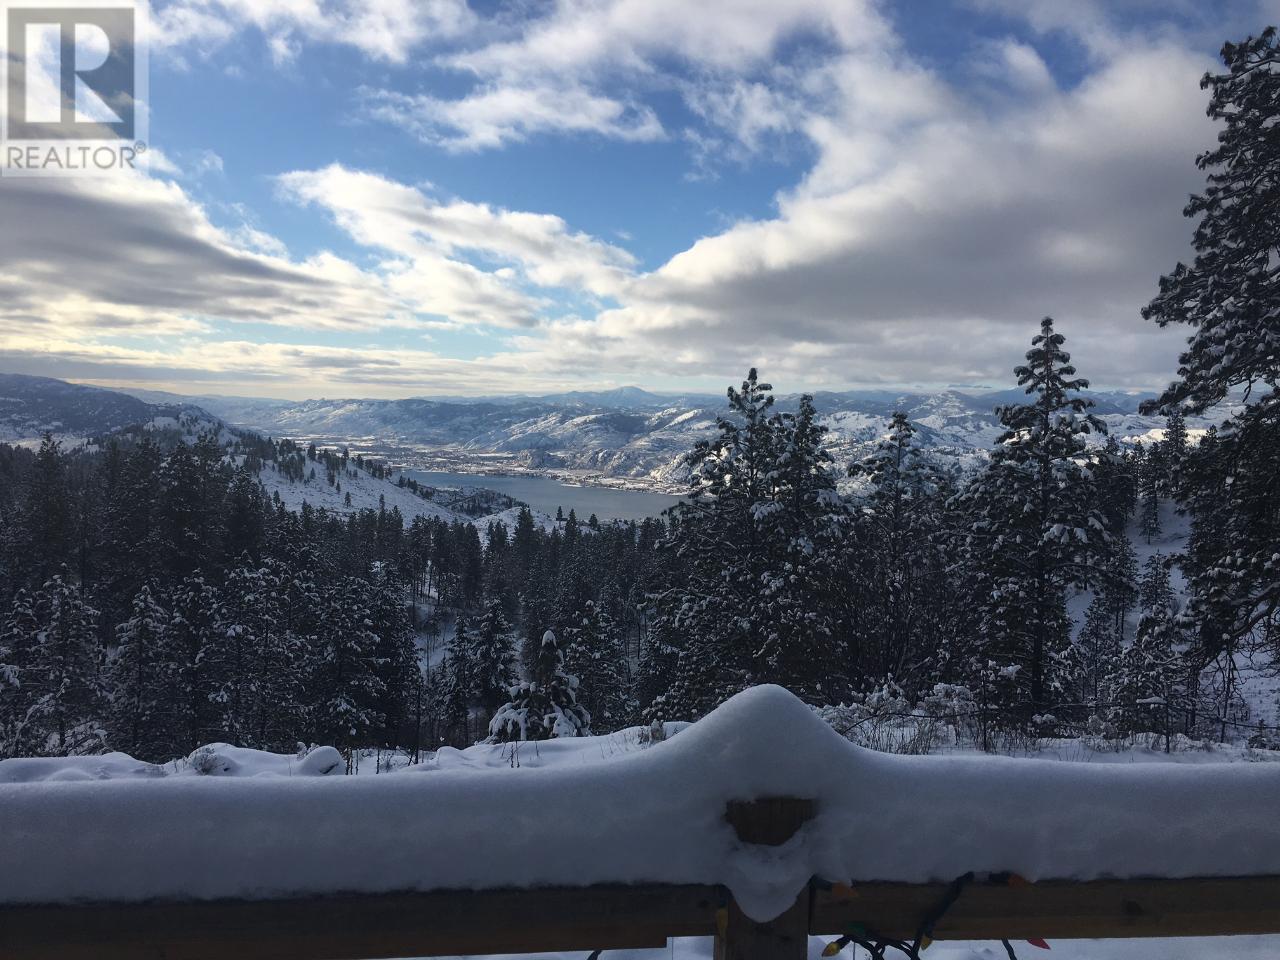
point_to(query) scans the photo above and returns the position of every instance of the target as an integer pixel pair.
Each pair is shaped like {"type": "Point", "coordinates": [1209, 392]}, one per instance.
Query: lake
{"type": "Point", "coordinates": [547, 494]}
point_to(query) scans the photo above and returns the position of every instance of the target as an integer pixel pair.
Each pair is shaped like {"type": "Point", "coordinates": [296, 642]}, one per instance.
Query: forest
{"type": "Point", "coordinates": [153, 598]}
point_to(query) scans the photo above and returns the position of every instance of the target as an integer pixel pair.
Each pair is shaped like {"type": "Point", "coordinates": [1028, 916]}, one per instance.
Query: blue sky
{"type": "Point", "coordinates": [396, 198]}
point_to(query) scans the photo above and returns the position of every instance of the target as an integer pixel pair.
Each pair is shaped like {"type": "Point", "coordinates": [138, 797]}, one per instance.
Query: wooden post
{"type": "Point", "coordinates": [771, 821]}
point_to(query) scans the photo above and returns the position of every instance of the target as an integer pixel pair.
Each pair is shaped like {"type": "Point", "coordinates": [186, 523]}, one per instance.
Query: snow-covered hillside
{"type": "Point", "coordinates": [629, 434]}
{"type": "Point", "coordinates": [33, 406]}
{"type": "Point", "coordinates": [357, 489]}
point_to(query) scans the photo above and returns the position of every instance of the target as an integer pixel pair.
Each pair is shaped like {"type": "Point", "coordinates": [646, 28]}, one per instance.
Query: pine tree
{"type": "Point", "coordinates": [715, 541]}
{"type": "Point", "coordinates": [261, 662]}
{"type": "Point", "coordinates": [1174, 448]}
{"type": "Point", "coordinates": [18, 633]}
{"type": "Point", "coordinates": [397, 652]}
{"type": "Point", "coordinates": [545, 706]}
{"type": "Point", "coordinates": [1149, 519]}
{"type": "Point", "coordinates": [457, 685]}
{"type": "Point", "coordinates": [1091, 661]}
{"type": "Point", "coordinates": [46, 514]}
{"type": "Point", "coordinates": [491, 643]}
{"type": "Point", "coordinates": [1155, 592]}
{"type": "Point", "coordinates": [1035, 526]}
{"type": "Point", "coordinates": [344, 672]}
{"type": "Point", "coordinates": [65, 686]}
{"type": "Point", "coordinates": [595, 655]}
{"type": "Point", "coordinates": [194, 646]}
{"type": "Point", "coordinates": [898, 555]}
{"type": "Point", "coordinates": [141, 678]}
{"type": "Point", "coordinates": [1148, 687]}
{"type": "Point", "coordinates": [1230, 298]}
{"type": "Point", "coordinates": [796, 623]}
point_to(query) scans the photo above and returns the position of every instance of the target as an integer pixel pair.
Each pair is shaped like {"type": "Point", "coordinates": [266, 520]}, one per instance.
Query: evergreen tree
{"type": "Point", "coordinates": [457, 685]}
{"type": "Point", "coordinates": [1155, 592]}
{"type": "Point", "coordinates": [1148, 687]}
{"type": "Point", "coordinates": [1090, 663]}
{"type": "Point", "coordinates": [261, 663]}
{"type": "Point", "coordinates": [1149, 520]}
{"type": "Point", "coordinates": [344, 670]}
{"type": "Point", "coordinates": [64, 689]}
{"type": "Point", "coordinates": [1035, 527]}
{"type": "Point", "coordinates": [1230, 298]}
{"type": "Point", "coordinates": [141, 682]}
{"type": "Point", "coordinates": [491, 643]}
{"type": "Point", "coordinates": [194, 646]}
{"type": "Point", "coordinates": [545, 706]}
{"type": "Point", "coordinates": [18, 633]}
{"type": "Point", "coordinates": [595, 655]}
{"type": "Point", "coordinates": [1119, 585]}
{"type": "Point", "coordinates": [46, 514]}
{"type": "Point", "coordinates": [899, 555]}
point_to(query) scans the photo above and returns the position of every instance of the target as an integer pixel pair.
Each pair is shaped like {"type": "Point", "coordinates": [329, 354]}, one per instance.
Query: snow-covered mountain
{"type": "Point", "coordinates": [33, 406]}
{"type": "Point", "coordinates": [628, 433]}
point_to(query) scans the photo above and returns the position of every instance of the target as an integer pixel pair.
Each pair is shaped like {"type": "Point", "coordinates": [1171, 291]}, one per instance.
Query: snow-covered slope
{"type": "Point", "coordinates": [32, 406]}
{"type": "Point", "coordinates": [570, 813]}
{"type": "Point", "coordinates": [630, 434]}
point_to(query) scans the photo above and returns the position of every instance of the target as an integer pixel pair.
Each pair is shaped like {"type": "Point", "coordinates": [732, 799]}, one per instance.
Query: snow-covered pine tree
{"type": "Point", "coordinates": [17, 642]}
{"type": "Point", "coordinates": [1035, 526]}
{"type": "Point", "coordinates": [594, 653]}
{"type": "Point", "coordinates": [899, 555]}
{"type": "Point", "coordinates": [1117, 484]}
{"type": "Point", "coordinates": [193, 638]}
{"type": "Point", "coordinates": [491, 641]}
{"type": "Point", "coordinates": [345, 684]}
{"type": "Point", "coordinates": [1091, 661]}
{"type": "Point", "coordinates": [1148, 688]}
{"type": "Point", "coordinates": [1230, 297]}
{"type": "Point", "coordinates": [45, 520]}
{"type": "Point", "coordinates": [397, 653]}
{"type": "Point", "coordinates": [1119, 583]}
{"type": "Point", "coordinates": [1174, 447]}
{"type": "Point", "coordinates": [140, 682]}
{"type": "Point", "coordinates": [799, 530]}
{"type": "Point", "coordinates": [1151, 479]}
{"type": "Point", "coordinates": [707, 613]}
{"type": "Point", "coordinates": [1155, 591]}
{"type": "Point", "coordinates": [457, 685]}
{"type": "Point", "coordinates": [545, 706]}
{"type": "Point", "coordinates": [64, 678]}
{"type": "Point", "coordinates": [261, 661]}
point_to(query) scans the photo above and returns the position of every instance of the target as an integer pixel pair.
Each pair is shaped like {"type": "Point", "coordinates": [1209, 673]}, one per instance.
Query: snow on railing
{"type": "Point", "coordinates": [758, 825]}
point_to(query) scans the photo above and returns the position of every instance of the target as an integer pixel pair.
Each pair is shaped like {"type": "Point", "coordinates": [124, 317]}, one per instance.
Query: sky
{"type": "Point", "coordinates": [428, 197]}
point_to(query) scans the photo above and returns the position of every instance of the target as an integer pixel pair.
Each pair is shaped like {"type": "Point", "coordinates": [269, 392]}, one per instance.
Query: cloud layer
{"type": "Point", "coordinates": [943, 212]}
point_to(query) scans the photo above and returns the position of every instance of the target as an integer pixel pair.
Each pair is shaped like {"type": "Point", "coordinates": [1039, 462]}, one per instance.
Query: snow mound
{"type": "Point", "coordinates": [583, 812]}
{"type": "Point", "coordinates": [213, 760]}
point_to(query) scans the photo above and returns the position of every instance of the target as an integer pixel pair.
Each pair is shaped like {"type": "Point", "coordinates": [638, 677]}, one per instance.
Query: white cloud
{"type": "Point", "coordinates": [498, 115]}
{"type": "Point", "coordinates": [386, 30]}
{"type": "Point", "coordinates": [383, 214]}
{"type": "Point", "coordinates": [927, 241]}
{"type": "Point", "coordinates": [586, 68]}
{"type": "Point", "coordinates": [935, 226]}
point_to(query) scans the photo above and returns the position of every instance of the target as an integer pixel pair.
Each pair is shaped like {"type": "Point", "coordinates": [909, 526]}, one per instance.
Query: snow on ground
{"type": "Point", "coordinates": [214, 760]}
{"type": "Point", "coordinates": [541, 814]}
{"type": "Point", "coordinates": [364, 488]}
{"type": "Point", "coordinates": [367, 491]}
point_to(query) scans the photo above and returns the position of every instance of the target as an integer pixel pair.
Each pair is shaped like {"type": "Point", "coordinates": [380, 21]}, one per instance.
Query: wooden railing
{"type": "Point", "coordinates": [442, 923]}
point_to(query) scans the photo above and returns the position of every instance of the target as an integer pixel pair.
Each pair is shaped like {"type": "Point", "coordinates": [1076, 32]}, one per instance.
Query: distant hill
{"type": "Point", "coordinates": [630, 433]}
{"type": "Point", "coordinates": [33, 406]}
